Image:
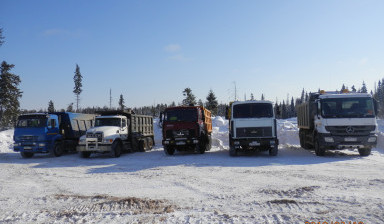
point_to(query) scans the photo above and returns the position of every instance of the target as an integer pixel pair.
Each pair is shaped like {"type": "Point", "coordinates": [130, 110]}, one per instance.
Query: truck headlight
{"type": "Point", "coordinates": [166, 142]}
{"type": "Point", "coordinates": [372, 139]}
{"type": "Point", "coordinates": [16, 144]}
{"type": "Point", "coordinates": [236, 143]}
{"type": "Point", "coordinates": [108, 140]}
{"type": "Point", "coordinates": [328, 139]}
{"type": "Point", "coordinates": [195, 141]}
{"type": "Point", "coordinates": [41, 144]}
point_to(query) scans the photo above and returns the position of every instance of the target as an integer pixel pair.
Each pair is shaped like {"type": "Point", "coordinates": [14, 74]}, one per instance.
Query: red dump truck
{"type": "Point", "coordinates": [186, 128]}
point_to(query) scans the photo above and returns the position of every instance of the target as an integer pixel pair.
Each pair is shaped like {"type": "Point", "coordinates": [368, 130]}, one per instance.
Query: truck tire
{"type": "Point", "coordinates": [169, 150]}
{"type": "Point", "coordinates": [302, 139]}
{"type": "Point", "coordinates": [57, 149]}
{"type": "Point", "coordinates": [274, 150]}
{"type": "Point", "coordinates": [142, 145]}
{"type": "Point", "coordinates": [232, 151]}
{"type": "Point", "coordinates": [365, 151]}
{"type": "Point", "coordinates": [116, 150]}
{"type": "Point", "coordinates": [26, 154]}
{"type": "Point", "coordinates": [149, 143]}
{"type": "Point", "coordinates": [319, 150]}
{"type": "Point", "coordinates": [85, 154]}
{"type": "Point", "coordinates": [209, 143]}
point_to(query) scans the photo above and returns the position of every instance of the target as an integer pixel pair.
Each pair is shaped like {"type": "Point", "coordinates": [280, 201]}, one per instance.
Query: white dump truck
{"type": "Point", "coordinates": [333, 120]}
{"type": "Point", "coordinates": [118, 131]}
{"type": "Point", "coordinates": [252, 127]}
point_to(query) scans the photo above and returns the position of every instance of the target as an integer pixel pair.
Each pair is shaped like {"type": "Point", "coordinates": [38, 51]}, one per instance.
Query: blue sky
{"type": "Point", "coordinates": [149, 51]}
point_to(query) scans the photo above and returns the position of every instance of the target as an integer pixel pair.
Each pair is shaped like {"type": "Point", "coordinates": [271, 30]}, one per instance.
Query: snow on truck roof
{"type": "Point", "coordinates": [344, 95]}
{"type": "Point", "coordinates": [252, 101]}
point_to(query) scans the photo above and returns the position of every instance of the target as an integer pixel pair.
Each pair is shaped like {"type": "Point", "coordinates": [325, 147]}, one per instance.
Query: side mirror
{"type": "Point", "coordinates": [226, 113]}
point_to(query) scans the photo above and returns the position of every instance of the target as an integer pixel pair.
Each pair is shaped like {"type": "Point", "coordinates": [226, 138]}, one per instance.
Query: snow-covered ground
{"type": "Point", "coordinates": [294, 187]}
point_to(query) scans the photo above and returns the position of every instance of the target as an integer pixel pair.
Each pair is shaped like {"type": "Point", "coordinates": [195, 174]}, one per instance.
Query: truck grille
{"type": "Point", "coordinates": [350, 130]}
{"type": "Point", "coordinates": [99, 136]}
{"type": "Point", "coordinates": [254, 132]}
{"type": "Point", "coordinates": [180, 133]}
{"type": "Point", "coordinates": [28, 138]}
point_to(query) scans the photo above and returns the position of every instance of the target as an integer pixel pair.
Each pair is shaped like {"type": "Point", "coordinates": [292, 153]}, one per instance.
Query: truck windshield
{"type": "Point", "coordinates": [188, 115]}
{"type": "Point", "coordinates": [252, 110]}
{"type": "Point", "coordinates": [32, 122]}
{"type": "Point", "coordinates": [347, 107]}
{"type": "Point", "coordinates": [107, 122]}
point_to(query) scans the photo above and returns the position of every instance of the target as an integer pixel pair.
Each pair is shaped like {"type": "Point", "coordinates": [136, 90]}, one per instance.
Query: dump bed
{"type": "Point", "coordinates": [305, 115]}
{"type": "Point", "coordinates": [142, 124]}
{"type": "Point", "coordinates": [207, 119]}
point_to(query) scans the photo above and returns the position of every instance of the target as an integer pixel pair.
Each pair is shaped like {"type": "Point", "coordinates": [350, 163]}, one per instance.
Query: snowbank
{"type": "Point", "coordinates": [6, 141]}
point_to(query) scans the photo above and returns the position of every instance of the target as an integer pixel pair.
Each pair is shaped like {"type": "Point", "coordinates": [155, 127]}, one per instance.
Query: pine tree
{"type": "Point", "coordinates": [9, 96]}
{"type": "Point", "coordinates": [190, 99]}
{"type": "Point", "coordinates": [302, 98]}
{"type": "Point", "coordinates": [78, 84]}
{"type": "Point", "coordinates": [70, 107]}
{"type": "Point", "coordinates": [252, 97]}
{"type": "Point", "coordinates": [292, 108]}
{"type": "Point", "coordinates": [51, 107]}
{"type": "Point", "coordinates": [342, 88]}
{"type": "Point", "coordinates": [1, 37]}
{"type": "Point", "coordinates": [353, 88]}
{"type": "Point", "coordinates": [262, 97]}
{"type": "Point", "coordinates": [364, 88]}
{"type": "Point", "coordinates": [121, 102]}
{"type": "Point", "coordinates": [212, 103]}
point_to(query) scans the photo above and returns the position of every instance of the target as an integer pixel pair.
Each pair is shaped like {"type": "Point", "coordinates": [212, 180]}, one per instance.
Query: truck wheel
{"type": "Point", "coordinates": [302, 139]}
{"type": "Point", "coordinates": [142, 145]}
{"type": "Point", "coordinates": [201, 147]}
{"type": "Point", "coordinates": [232, 151]}
{"type": "Point", "coordinates": [116, 150]}
{"type": "Point", "coordinates": [57, 149]}
{"type": "Point", "coordinates": [365, 151]}
{"type": "Point", "coordinates": [149, 143]}
{"type": "Point", "coordinates": [85, 154]}
{"type": "Point", "coordinates": [319, 150]}
{"type": "Point", "coordinates": [209, 143]}
{"type": "Point", "coordinates": [26, 154]}
{"type": "Point", "coordinates": [273, 150]}
{"type": "Point", "coordinates": [169, 150]}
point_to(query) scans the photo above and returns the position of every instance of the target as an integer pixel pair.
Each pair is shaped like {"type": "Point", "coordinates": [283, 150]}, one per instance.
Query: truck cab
{"type": "Point", "coordinates": [186, 128]}
{"type": "Point", "coordinates": [36, 133]}
{"type": "Point", "coordinates": [332, 121]}
{"type": "Point", "coordinates": [252, 127]}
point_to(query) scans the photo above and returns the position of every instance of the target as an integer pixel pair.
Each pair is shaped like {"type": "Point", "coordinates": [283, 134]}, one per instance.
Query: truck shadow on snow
{"type": "Point", "coordinates": [156, 159]}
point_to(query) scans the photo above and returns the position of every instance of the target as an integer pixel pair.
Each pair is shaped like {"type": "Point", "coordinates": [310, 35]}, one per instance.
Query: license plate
{"type": "Point", "coordinates": [254, 144]}
{"type": "Point", "coordinates": [27, 148]}
{"type": "Point", "coordinates": [180, 143]}
{"type": "Point", "coordinates": [349, 139]}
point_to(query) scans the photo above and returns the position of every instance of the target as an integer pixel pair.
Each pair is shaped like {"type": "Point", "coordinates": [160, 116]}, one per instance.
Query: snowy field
{"type": "Point", "coordinates": [294, 187]}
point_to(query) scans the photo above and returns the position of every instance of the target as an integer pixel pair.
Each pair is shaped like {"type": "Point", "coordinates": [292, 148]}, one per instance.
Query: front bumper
{"type": "Point", "coordinates": [255, 142]}
{"type": "Point", "coordinates": [180, 141]}
{"type": "Point", "coordinates": [343, 142]}
{"type": "Point", "coordinates": [92, 145]}
{"type": "Point", "coordinates": [34, 147]}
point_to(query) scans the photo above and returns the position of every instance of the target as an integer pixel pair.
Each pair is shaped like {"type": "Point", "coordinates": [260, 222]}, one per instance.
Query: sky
{"type": "Point", "coordinates": [150, 51]}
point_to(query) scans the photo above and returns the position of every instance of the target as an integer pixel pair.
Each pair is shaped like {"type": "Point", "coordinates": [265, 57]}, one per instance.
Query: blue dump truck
{"type": "Point", "coordinates": [50, 133]}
